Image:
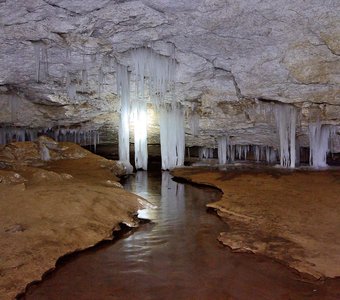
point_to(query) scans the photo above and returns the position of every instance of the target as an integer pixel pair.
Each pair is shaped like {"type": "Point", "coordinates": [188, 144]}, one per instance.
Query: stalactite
{"type": "Point", "coordinates": [123, 88]}
{"type": "Point", "coordinates": [245, 151]}
{"type": "Point", "coordinates": [10, 134]}
{"type": "Point", "coordinates": [232, 153]}
{"type": "Point", "coordinates": [172, 137]}
{"type": "Point", "coordinates": [153, 72]}
{"type": "Point", "coordinates": [286, 116]}
{"type": "Point", "coordinates": [153, 77]}
{"type": "Point", "coordinates": [79, 135]}
{"type": "Point", "coordinates": [256, 153]}
{"type": "Point", "coordinates": [205, 152]}
{"type": "Point", "coordinates": [319, 144]}
{"type": "Point", "coordinates": [223, 144]}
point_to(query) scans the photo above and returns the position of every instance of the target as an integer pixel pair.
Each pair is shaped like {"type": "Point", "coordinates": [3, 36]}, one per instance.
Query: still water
{"type": "Point", "coordinates": [175, 256]}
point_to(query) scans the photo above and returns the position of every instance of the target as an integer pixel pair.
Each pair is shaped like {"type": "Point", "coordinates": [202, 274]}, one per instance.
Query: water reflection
{"type": "Point", "coordinates": [172, 200]}
{"type": "Point", "coordinates": [176, 256]}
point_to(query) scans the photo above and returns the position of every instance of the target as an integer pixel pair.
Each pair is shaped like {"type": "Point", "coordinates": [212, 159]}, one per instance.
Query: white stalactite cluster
{"type": "Point", "coordinates": [205, 153]}
{"type": "Point", "coordinates": [79, 135]}
{"type": "Point", "coordinates": [12, 134]}
{"type": "Point", "coordinates": [228, 153]}
{"type": "Point", "coordinates": [153, 77]}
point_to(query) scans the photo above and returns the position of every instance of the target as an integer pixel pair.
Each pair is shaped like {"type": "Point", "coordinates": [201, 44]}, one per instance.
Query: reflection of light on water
{"type": "Point", "coordinates": [144, 213]}
{"type": "Point", "coordinates": [172, 197]}
{"type": "Point", "coordinates": [170, 206]}
{"type": "Point", "coordinates": [141, 189]}
{"type": "Point", "coordinates": [141, 183]}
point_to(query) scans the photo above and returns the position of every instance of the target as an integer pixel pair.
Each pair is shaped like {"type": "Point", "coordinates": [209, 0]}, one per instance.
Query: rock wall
{"type": "Point", "coordinates": [58, 62]}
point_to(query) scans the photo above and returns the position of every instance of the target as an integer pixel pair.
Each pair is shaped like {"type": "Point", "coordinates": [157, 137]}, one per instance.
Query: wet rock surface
{"type": "Point", "coordinates": [62, 206]}
{"type": "Point", "coordinates": [291, 216]}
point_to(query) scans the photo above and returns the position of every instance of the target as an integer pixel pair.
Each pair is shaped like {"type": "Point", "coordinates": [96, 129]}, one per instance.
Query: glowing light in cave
{"type": "Point", "coordinates": [153, 78]}
{"type": "Point", "coordinates": [140, 122]}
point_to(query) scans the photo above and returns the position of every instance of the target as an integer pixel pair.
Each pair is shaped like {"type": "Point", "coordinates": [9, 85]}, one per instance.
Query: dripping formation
{"type": "Point", "coordinates": [172, 137]}
{"type": "Point", "coordinates": [153, 77]}
{"type": "Point", "coordinates": [79, 135]}
{"type": "Point", "coordinates": [146, 82]}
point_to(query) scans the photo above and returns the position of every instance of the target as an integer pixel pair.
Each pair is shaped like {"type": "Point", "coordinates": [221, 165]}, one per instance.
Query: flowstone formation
{"type": "Point", "coordinates": [262, 74]}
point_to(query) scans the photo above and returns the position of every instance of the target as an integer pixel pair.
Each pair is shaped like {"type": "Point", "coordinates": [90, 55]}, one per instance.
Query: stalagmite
{"type": "Point", "coordinates": [44, 153]}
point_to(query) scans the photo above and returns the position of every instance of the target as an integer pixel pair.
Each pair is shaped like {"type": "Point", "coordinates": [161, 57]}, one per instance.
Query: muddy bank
{"type": "Point", "coordinates": [290, 216]}
{"type": "Point", "coordinates": [176, 256]}
{"type": "Point", "coordinates": [51, 208]}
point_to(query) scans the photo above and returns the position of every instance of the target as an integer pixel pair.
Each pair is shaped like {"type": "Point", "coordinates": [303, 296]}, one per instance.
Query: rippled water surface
{"type": "Point", "coordinates": [176, 256]}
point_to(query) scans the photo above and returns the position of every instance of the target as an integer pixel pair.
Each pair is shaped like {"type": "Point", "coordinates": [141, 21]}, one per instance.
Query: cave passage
{"type": "Point", "coordinates": [175, 256]}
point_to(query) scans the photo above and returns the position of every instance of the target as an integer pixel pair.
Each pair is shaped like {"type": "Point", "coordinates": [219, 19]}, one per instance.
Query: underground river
{"type": "Point", "coordinates": [175, 256]}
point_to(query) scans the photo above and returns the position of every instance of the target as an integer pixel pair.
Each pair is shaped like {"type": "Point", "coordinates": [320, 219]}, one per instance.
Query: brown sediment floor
{"type": "Point", "coordinates": [50, 209]}
{"type": "Point", "coordinates": [292, 216]}
{"type": "Point", "coordinates": [176, 256]}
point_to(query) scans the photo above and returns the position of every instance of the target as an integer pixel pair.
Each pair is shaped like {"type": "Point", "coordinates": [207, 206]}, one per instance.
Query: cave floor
{"type": "Point", "coordinates": [291, 216]}
{"type": "Point", "coordinates": [177, 256]}
{"type": "Point", "coordinates": [288, 218]}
